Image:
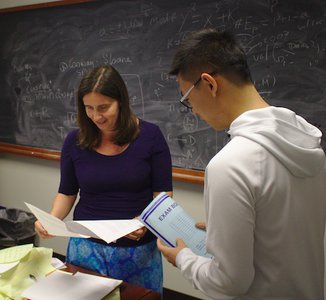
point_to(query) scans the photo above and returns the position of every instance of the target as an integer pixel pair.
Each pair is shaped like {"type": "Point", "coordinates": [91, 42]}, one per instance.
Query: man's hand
{"type": "Point", "coordinates": [170, 253]}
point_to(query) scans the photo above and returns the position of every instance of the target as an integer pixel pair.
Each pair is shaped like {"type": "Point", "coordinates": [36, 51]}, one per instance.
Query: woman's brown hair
{"type": "Point", "coordinates": [106, 81]}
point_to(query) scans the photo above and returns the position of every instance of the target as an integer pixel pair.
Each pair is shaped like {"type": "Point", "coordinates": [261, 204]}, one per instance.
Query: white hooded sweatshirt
{"type": "Point", "coordinates": [265, 198]}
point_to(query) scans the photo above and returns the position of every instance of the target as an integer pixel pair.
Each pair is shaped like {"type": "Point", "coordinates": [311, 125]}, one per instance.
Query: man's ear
{"type": "Point", "coordinates": [211, 82]}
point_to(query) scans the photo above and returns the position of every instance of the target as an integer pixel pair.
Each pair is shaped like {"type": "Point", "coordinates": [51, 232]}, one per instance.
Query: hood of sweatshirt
{"type": "Point", "coordinates": [287, 136]}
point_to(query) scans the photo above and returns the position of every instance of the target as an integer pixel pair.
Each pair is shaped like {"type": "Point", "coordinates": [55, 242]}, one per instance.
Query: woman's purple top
{"type": "Point", "coordinates": [118, 186]}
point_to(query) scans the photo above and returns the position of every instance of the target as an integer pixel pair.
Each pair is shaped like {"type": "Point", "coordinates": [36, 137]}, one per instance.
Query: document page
{"type": "Point", "coordinates": [53, 225]}
{"type": "Point", "coordinates": [168, 221]}
{"type": "Point", "coordinates": [107, 230]}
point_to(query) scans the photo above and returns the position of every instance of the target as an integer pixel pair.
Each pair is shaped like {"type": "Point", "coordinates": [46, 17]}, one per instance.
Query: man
{"type": "Point", "coordinates": [265, 191]}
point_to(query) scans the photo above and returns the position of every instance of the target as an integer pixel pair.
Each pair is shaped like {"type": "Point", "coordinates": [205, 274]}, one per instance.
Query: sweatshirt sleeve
{"type": "Point", "coordinates": [196, 270]}
{"type": "Point", "coordinates": [230, 188]}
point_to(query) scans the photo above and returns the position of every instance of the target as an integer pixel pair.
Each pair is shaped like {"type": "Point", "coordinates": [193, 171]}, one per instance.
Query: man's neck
{"type": "Point", "coordinates": [242, 99]}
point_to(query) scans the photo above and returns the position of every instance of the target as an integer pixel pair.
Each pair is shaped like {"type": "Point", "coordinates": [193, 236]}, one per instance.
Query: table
{"type": "Point", "coordinates": [127, 291]}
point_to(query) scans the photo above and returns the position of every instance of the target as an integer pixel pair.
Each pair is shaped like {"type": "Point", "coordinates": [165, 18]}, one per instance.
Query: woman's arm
{"type": "Point", "coordinates": [62, 204]}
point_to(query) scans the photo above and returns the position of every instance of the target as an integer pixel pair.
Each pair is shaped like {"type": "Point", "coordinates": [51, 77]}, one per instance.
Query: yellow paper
{"type": "Point", "coordinates": [14, 281]}
{"type": "Point", "coordinates": [12, 254]}
{"type": "Point", "coordinates": [114, 295]}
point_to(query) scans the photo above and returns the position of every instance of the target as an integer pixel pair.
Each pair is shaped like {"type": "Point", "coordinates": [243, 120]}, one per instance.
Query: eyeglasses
{"type": "Point", "coordinates": [184, 99]}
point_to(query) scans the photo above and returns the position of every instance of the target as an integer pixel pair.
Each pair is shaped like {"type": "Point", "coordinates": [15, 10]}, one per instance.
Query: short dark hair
{"type": "Point", "coordinates": [106, 81]}
{"type": "Point", "coordinates": [210, 50]}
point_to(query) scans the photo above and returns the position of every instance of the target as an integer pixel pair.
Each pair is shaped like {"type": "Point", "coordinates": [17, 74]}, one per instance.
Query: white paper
{"type": "Point", "coordinates": [57, 263]}
{"type": "Point", "coordinates": [107, 230]}
{"type": "Point", "coordinates": [64, 286]}
{"type": "Point", "coordinates": [52, 224]}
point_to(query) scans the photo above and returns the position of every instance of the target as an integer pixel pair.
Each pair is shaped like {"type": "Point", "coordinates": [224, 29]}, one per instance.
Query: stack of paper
{"type": "Point", "coordinates": [18, 265]}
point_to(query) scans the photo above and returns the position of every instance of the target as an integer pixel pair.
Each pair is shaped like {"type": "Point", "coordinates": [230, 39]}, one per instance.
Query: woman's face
{"type": "Point", "coordinates": [102, 110]}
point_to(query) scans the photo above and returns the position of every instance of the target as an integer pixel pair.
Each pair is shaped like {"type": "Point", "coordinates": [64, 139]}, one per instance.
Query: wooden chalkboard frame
{"type": "Point", "coordinates": [179, 174]}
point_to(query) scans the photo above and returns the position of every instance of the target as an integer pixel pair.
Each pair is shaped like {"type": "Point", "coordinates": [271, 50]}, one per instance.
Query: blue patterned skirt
{"type": "Point", "coordinates": [141, 265]}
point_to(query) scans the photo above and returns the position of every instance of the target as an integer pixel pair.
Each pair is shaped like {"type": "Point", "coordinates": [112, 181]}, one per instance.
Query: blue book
{"type": "Point", "coordinates": [167, 220]}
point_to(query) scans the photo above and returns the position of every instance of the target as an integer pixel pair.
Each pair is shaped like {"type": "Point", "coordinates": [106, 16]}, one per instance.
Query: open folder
{"type": "Point", "coordinates": [163, 217]}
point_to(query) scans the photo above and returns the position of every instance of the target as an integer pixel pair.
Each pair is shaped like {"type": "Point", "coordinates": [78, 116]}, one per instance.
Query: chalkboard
{"type": "Point", "coordinates": [46, 50]}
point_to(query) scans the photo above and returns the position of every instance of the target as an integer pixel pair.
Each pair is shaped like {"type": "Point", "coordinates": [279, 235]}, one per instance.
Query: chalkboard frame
{"type": "Point", "coordinates": [179, 174]}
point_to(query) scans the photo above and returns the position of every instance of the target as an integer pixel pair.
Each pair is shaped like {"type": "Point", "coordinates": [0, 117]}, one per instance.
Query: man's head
{"type": "Point", "coordinates": [211, 66]}
{"type": "Point", "coordinates": [210, 51]}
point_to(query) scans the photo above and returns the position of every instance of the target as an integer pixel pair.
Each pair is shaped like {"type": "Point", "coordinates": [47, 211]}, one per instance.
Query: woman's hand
{"type": "Point", "coordinates": [61, 207]}
{"type": "Point", "coordinates": [41, 231]}
{"type": "Point", "coordinates": [137, 234]}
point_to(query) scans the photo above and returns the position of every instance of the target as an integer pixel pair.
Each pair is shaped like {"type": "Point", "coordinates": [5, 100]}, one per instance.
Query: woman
{"type": "Point", "coordinates": [117, 163]}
